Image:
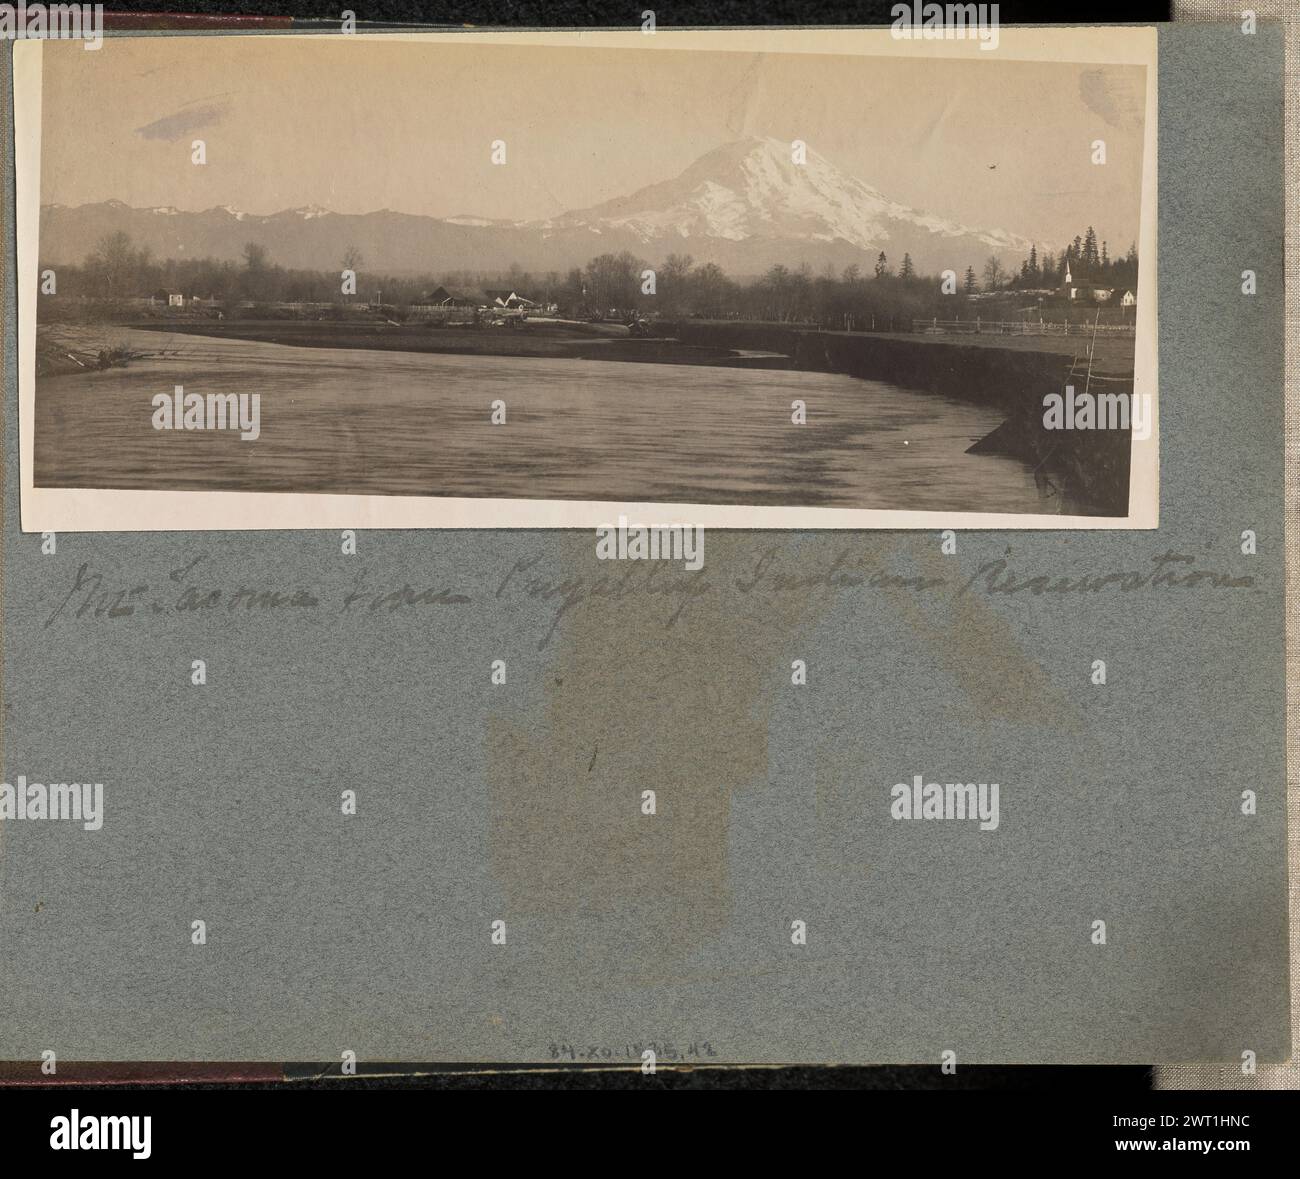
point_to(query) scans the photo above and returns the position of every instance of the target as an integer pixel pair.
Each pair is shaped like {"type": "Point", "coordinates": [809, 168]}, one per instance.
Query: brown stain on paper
{"type": "Point", "coordinates": [681, 710]}
{"type": "Point", "coordinates": [981, 650]}
{"type": "Point", "coordinates": [632, 704]}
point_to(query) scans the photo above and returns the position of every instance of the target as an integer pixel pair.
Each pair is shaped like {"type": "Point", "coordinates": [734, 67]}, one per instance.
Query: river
{"type": "Point", "coordinates": [404, 423]}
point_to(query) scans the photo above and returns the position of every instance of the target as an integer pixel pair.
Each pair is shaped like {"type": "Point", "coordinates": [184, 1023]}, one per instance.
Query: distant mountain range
{"type": "Point", "coordinates": [745, 205]}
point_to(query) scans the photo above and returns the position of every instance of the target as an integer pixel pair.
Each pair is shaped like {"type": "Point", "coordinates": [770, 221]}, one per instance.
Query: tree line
{"type": "Point", "coordinates": [888, 297]}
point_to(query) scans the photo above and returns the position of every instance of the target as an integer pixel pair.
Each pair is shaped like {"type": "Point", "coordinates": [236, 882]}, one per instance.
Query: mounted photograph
{"type": "Point", "coordinates": [747, 279]}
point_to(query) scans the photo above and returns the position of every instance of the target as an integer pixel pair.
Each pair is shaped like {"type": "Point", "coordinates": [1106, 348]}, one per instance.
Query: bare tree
{"type": "Point", "coordinates": [673, 277]}
{"type": "Point", "coordinates": [115, 263]}
{"type": "Point", "coordinates": [613, 281]}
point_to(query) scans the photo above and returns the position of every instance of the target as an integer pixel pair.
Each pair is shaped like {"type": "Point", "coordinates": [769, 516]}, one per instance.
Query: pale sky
{"type": "Point", "coordinates": [355, 126]}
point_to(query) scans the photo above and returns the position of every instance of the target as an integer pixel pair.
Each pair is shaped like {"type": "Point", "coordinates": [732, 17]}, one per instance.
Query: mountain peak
{"type": "Point", "coordinates": [306, 212]}
{"type": "Point", "coordinates": [755, 154]}
{"type": "Point", "coordinates": [753, 188]}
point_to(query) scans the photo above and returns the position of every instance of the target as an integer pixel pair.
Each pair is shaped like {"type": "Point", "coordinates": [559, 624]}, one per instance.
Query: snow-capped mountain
{"type": "Point", "coordinates": [745, 205]}
{"type": "Point", "coordinates": [753, 188]}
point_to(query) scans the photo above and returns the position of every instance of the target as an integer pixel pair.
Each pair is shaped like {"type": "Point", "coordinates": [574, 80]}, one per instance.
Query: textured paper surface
{"type": "Point", "coordinates": [1281, 1076]}
{"type": "Point", "coordinates": [518, 802]}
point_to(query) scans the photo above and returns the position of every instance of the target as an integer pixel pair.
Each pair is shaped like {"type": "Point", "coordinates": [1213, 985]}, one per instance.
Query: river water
{"type": "Point", "coordinates": [404, 423]}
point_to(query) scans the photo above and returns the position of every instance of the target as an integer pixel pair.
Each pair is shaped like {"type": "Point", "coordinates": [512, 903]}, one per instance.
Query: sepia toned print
{"type": "Point", "coordinates": [734, 279]}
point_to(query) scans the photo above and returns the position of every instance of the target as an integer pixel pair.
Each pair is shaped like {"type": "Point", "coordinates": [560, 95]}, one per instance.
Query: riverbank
{"type": "Point", "coordinates": [1088, 468]}
{"type": "Point", "coordinates": [519, 338]}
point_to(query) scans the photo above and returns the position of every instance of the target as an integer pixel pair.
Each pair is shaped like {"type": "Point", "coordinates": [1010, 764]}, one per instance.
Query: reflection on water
{"type": "Point", "coordinates": [402, 423]}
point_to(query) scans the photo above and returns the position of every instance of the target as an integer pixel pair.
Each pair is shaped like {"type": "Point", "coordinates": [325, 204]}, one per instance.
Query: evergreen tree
{"type": "Point", "coordinates": [1090, 249]}
{"type": "Point", "coordinates": [969, 284]}
{"type": "Point", "coordinates": [906, 270]}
